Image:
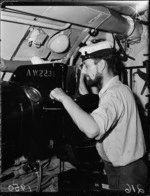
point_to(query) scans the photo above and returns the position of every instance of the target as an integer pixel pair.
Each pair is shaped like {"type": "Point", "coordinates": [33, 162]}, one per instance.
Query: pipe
{"type": "Point", "coordinates": [115, 23]}
{"type": "Point", "coordinates": [33, 23]}
{"type": "Point", "coordinates": [123, 26]}
{"type": "Point", "coordinates": [11, 66]}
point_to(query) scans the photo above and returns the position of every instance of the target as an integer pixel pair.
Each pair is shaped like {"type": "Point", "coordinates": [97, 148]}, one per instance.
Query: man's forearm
{"type": "Point", "coordinates": [83, 120]}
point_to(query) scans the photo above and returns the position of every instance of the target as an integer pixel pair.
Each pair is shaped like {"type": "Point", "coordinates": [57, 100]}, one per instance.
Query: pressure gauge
{"type": "Point", "coordinates": [33, 94]}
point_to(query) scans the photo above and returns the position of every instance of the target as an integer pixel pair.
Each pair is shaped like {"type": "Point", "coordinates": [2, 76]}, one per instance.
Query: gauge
{"type": "Point", "coordinates": [33, 94]}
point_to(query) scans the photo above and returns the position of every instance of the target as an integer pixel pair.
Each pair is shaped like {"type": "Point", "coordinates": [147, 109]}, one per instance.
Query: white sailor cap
{"type": "Point", "coordinates": [99, 50]}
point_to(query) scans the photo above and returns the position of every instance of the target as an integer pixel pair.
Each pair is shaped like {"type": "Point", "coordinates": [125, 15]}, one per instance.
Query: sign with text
{"type": "Point", "coordinates": [44, 77]}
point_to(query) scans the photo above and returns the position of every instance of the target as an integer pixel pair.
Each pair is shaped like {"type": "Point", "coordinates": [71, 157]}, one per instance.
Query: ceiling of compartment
{"type": "Point", "coordinates": [27, 31]}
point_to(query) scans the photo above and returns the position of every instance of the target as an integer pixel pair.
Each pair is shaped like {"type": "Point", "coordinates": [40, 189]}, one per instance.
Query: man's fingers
{"type": "Point", "coordinates": [51, 94]}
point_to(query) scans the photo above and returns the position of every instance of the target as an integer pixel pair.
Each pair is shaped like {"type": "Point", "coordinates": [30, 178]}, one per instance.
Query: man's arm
{"type": "Point", "coordinates": [82, 87]}
{"type": "Point", "coordinates": [83, 120]}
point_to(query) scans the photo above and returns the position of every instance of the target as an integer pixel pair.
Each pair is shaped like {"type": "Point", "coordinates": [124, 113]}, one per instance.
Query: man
{"type": "Point", "coordinates": [115, 124]}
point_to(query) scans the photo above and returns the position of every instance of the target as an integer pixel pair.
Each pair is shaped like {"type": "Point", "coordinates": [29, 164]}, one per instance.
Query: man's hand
{"type": "Point", "coordinates": [82, 119]}
{"type": "Point", "coordinates": [82, 86]}
{"type": "Point", "coordinates": [57, 94]}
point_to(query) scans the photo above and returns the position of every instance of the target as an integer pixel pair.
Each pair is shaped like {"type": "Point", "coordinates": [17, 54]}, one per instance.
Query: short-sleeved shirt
{"type": "Point", "coordinates": [120, 140]}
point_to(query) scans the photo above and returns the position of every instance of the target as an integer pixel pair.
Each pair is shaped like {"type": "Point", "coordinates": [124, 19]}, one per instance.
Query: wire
{"type": "Point", "coordinates": [39, 176]}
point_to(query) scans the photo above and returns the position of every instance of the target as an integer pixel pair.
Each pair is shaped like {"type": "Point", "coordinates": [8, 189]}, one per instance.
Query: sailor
{"type": "Point", "coordinates": [115, 124]}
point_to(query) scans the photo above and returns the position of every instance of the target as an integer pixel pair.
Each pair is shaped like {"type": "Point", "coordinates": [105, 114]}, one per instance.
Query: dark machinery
{"type": "Point", "coordinates": [24, 103]}
{"type": "Point", "coordinates": [30, 119]}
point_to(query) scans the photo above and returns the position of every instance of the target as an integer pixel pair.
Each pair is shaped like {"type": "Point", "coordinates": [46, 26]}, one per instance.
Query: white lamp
{"type": "Point", "coordinates": [58, 43]}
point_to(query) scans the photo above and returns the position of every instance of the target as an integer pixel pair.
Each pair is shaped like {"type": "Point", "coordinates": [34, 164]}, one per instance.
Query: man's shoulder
{"type": "Point", "coordinates": [118, 85]}
{"type": "Point", "coordinates": [118, 89]}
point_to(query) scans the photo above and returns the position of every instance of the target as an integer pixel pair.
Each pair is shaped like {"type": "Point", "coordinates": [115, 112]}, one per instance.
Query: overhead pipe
{"type": "Point", "coordinates": [115, 23]}
{"type": "Point", "coordinates": [33, 23]}
{"type": "Point", "coordinates": [123, 26]}
{"type": "Point", "coordinates": [11, 66]}
{"type": "Point", "coordinates": [128, 8]}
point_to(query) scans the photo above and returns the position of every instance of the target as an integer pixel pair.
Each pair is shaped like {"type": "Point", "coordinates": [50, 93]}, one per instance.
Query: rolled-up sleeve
{"type": "Point", "coordinates": [107, 113]}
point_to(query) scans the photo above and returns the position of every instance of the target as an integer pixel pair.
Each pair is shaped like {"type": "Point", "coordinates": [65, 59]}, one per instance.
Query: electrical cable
{"type": "Point", "coordinates": [39, 176]}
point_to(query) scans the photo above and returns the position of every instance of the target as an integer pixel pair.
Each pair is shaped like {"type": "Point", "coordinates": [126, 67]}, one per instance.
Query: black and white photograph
{"type": "Point", "coordinates": [74, 98]}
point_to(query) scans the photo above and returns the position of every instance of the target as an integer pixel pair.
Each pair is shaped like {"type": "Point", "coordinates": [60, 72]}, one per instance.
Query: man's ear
{"type": "Point", "coordinates": [101, 65]}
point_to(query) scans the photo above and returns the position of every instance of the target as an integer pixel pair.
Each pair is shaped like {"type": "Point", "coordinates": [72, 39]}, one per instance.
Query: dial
{"type": "Point", "coordinates": [33, 94]}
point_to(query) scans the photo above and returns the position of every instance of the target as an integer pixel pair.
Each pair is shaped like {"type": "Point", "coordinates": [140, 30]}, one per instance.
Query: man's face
{"type": "Point", "coordinates": [93, 75]}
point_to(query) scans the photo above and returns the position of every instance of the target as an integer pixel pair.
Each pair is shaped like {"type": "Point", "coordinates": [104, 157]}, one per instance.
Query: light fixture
{"type": "Point", "coordinates": [58, 43]}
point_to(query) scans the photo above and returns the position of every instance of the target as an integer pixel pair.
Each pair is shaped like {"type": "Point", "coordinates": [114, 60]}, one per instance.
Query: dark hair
{"type": "Point", "coordinates": [113, 62]}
